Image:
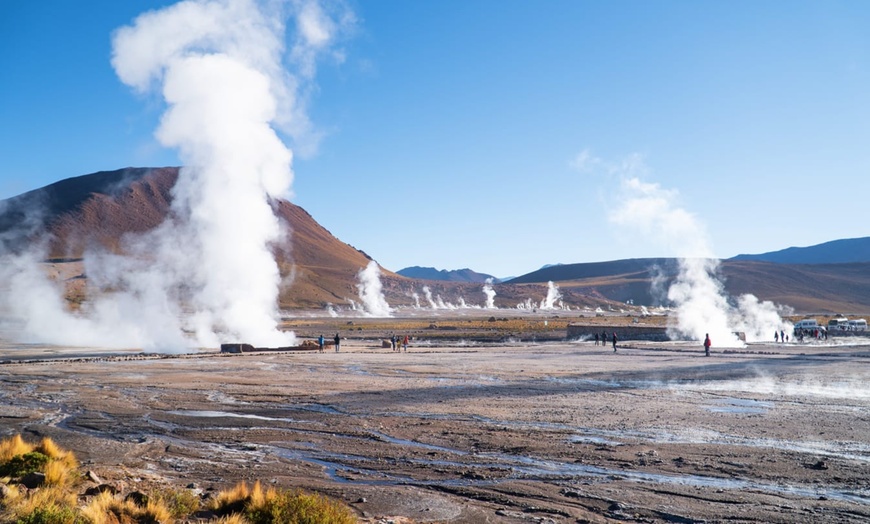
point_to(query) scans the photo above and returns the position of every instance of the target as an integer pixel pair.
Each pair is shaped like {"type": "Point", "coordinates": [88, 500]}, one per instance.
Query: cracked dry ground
{"type": "Point", "coordinates": [561, 432]}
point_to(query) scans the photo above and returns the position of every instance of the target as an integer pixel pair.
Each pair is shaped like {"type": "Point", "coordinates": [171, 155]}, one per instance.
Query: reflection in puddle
{"type": "Point", "coordinates": [739, 405]}
{"type": "Point", "coordinates": [225, 414]}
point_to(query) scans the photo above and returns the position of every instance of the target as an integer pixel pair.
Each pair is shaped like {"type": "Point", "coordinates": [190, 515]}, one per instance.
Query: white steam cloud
{"type": "Point", "coordinates": [208, 272]}
{"type": "Point", "coordinates": [554, 297]}
{"type": "Point", "coordinates": [490, 294]}
{"type": "Point", "coordinates": [371, 292]}
{"type": "Point", "coordinates": [701, 304]}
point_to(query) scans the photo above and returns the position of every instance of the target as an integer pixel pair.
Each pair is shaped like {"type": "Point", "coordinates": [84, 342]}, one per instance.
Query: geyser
{"type": "Point", "coordinates": [701, 304]}
{"type": "Point", "coordinates": [208, 271]}
{"type": "Point", "coordinates": [370, 291]}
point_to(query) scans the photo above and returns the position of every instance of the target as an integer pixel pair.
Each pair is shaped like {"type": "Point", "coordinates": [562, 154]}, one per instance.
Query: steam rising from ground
{"type": "Point", "coordinates": [553, 297]}
{"type": "Point", "coordinates": [209, 270]}
{"type": "Point", "coordinates": [701, 303]}
{"type": "Point", "coordinates": [490, 294]}
{"type": "Point", "coordinates": [370, 291]}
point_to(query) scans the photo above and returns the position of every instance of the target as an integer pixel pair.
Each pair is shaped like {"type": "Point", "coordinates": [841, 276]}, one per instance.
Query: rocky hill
{"type": "Point", "coordinates": [99, 209]}
{"type": "Point", "coordinates": [808, 288]}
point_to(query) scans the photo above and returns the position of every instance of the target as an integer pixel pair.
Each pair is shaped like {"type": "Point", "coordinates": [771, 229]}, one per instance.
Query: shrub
{"type": "Point", "coordinates": [180, 503]}
{"type": "Point", "coordinates": [52, 514]}
{"type": "Point", "coordinates": [290, 507]}
{"type": "Point", "coordinates": [47, 505]}
{"type": "Point", "coordinates": [21, 465]}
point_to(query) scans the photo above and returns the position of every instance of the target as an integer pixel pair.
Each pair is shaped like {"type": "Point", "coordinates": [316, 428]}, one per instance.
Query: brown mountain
{"type": "Point", "coordinates": [100, 209]}
{"type": "Point", "coordinates": [808, 288]}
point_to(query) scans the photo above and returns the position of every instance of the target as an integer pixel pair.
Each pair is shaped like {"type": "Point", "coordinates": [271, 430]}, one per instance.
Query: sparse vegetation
{"type": "Point", "coordinates": [258, 506]}
{"type": "Point", "coordinates": [56, 500]}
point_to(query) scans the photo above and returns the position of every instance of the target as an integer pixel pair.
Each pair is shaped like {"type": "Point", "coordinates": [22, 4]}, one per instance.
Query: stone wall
{"type": "Point", "coordinates": [623, 333]}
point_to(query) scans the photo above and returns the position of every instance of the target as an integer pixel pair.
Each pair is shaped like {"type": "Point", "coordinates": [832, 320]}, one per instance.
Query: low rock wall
{"type": "Point", "coordinates": [636, 332]}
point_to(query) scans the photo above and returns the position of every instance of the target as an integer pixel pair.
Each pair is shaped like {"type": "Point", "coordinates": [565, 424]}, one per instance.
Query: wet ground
{"type": "Point", "coordinates": [521, 432]}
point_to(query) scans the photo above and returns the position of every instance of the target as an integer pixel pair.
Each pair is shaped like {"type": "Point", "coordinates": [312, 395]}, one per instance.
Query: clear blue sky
{"type": "Point", "coordinates": [452, 128]}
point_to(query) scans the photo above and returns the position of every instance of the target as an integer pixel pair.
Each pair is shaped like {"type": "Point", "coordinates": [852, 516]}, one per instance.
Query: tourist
{"type": "Point", "coordinates": [596, 339]}
{"type": "Point", "coordinates": [405, 343]}
{"type": "Point", "coordinates": [776, 336]}
{"type": "Point", "coordinates": [337, 342]}
{"type": "Point", "coordinates": [707, 344]}
{"type": "Point", "coordinates": [320, 342]}
{"type": "Point", "coordinates": [614, 341]}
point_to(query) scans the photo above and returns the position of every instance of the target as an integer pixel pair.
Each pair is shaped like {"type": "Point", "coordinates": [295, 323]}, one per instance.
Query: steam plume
{"type": "Point", "coordinates": [553, 296]}
{"type": "Point", "coordinates": [209, 269]}
{"type": "Point", "coordinates": [370, 291]}
{"type": "Point", "coordinates": [702, 305]}
{"type": "Point", "coordinates": [490, 294]}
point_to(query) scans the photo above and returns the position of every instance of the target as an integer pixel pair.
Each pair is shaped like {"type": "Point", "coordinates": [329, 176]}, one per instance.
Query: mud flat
{"type": "Point", "coordinates": [471, 433]}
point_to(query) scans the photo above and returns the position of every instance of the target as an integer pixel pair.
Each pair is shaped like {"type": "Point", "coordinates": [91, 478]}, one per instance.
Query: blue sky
{"type": "Point", "coordinates": [452, 129]}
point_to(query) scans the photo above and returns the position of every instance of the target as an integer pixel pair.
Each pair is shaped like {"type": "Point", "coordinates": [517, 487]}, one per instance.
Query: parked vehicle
{"type": "Point", "coordinates": [858, 324]}
{"type": "Point", "coordinates": [807, 323]}
{"type": "Point", "coordinates": [838, 324]}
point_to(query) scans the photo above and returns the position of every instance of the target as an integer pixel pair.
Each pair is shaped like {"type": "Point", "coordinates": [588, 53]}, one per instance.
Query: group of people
{"type": "Point", "coordinates": [780, 337]}
{"type": "Point", "coordinates": [603, 339]}
{"type": "Point", "coordinates": [395, 340]}
{"type": "Point", "coordinates": [337, 339]}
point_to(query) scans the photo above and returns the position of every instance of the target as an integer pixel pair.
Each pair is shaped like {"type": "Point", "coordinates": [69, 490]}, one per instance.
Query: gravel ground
{"type": "Point", "coordinates": [471, 431]}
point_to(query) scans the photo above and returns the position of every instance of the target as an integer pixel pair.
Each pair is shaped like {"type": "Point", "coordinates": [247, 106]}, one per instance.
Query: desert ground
{"type": "Point", "coordinates": [481, 420]}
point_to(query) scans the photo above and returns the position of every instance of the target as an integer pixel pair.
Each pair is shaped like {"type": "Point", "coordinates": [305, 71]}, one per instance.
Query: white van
{"type": "Point", "coordinates": [838, 324]}
{"type": "Point", "coordinates": [807, 323]}
{"type": "Point", "coordinates": [858, 325]}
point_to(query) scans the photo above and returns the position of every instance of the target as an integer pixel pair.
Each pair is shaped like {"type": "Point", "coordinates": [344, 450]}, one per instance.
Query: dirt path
{"type": "Point", "coordinates": [549, 432]}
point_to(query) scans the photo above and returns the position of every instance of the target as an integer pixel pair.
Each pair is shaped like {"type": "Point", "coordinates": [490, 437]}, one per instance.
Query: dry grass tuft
{"type": "Point", "coordinates": [106, 508]}
{"type": "Point", "coordinates": [13, 447]}
{"type": "Point", "coordinates": [290, 507]}
{"type": "Point", "coordinates": [58, 473]}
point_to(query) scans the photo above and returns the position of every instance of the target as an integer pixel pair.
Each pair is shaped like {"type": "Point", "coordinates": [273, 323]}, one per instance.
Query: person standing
{"type": "Point", "coordinates": [320, 342]}
{"type": "Point", "coordinates": [707, 344]}
{"type": "Point", "coordinates": [405, 343]}
{"type": "Point", "coordinates": [614, 341]}
{"type": "Point", "coordinates": [604, 338]}
{"type": "Point", "coordinates": [337, 342]}
{"type": "Point", "coordinates": [596, 339]}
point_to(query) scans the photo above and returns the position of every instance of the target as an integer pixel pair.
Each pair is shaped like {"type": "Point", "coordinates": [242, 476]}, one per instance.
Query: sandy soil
{"type": "Point", "coordinates": [475, 432]}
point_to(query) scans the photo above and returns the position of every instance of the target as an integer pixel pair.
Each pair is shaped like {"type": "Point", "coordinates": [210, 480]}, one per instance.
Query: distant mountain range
{"type": "Point", "coordinates": [844, 251]}
{"type": "Point", "coordinates": [455, 275]}
{"type": "Point", "coordinates": [99, 211]}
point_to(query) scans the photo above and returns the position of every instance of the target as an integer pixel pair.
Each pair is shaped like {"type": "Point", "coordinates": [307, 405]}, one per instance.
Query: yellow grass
{"type": "Point", "coordinates": [13, 447]}
{"type": "Point", "coordinates": [106, 508]}
{"type": "Point", "coordinates": [58, 473]}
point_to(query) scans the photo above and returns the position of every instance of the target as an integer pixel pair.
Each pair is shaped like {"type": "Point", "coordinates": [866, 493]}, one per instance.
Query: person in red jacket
{"type": "Point", "coordinates": [707, 344]}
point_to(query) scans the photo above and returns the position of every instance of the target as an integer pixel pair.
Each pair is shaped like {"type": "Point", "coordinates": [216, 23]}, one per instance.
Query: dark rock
{"type": "Point", "coordinates": [96, 490]}
{"type": "Point", "coordinates": [138, 498]}
{"type": "Point", "coordinates": [33, 480]}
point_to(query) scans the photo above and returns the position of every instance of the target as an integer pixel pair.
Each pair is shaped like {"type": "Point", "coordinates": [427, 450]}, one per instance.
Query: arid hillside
{"type": "Point", "coordinates": [102, 211]}
{"type": "Point", "coordinates": [105, 210]}
{"type": "Point", "coordinates": [808, 288]}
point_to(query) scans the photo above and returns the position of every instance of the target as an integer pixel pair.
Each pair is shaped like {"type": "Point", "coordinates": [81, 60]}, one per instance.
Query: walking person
{"type": "Point", "coordinates": [405, 343]}
{"type": "Point", "coordinates": [614, 341]}
{"type": "Point", "coordinates": [596, 339]}
{"type": "Point", "coordinates": [320, 342]}
{"type": "Point", "coordinates": [337, 342]}
{"type": "Point", "coordinates": [604, 338]}
{"type": "Point", "coordinates": [707, 344]}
